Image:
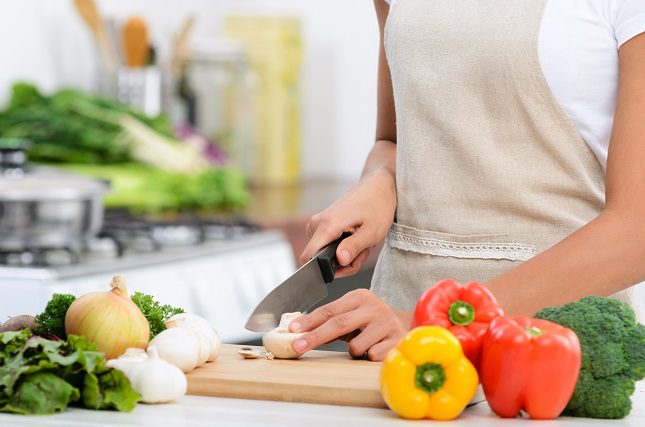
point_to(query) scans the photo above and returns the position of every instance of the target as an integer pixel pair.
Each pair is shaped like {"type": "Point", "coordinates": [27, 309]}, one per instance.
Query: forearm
{"type": "Point", "coordinates": [601, 258]}
{"type": "Point", "coordinates": [382, 158]}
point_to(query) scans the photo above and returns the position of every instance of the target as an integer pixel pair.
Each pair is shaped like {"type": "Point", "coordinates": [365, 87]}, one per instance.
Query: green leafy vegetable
{"type": "Point", "coordinates": [149, 190]}
{"type": "Point", "coordinates": [41, 376]}
{"type": "Point", "coordinates": [613, 355]}
{"type": "Point", "coordinates": [149, 169]}
{"type": "Point", "coordinates": [52, 320]}
{"type": "Point", "coordinates": [156, 313]}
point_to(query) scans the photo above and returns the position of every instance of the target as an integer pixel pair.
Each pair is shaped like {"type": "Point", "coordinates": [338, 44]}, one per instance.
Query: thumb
{"type": "Point", "coordinates": [352, 246]}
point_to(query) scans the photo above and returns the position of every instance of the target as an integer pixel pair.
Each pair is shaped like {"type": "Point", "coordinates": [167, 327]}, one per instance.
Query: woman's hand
{"type": "Point", "coordinates": [366, 211]}
{"type": "Point", "coordinates": [359, 317]}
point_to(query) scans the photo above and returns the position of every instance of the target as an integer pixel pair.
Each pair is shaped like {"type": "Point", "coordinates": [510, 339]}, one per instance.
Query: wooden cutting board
{"type": "Point", "coordinates": [325, 377]}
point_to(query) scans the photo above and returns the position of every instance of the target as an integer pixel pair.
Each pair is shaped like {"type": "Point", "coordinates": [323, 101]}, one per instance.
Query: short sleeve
{"type": "Point", "coordinates": [629, 19]}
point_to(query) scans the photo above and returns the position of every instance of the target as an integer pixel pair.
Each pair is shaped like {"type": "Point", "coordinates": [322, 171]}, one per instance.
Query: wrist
{"type": "Point", "coordinates": [383, 178]}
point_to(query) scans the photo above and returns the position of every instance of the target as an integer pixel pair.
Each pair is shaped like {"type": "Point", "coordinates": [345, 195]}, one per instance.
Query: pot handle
{"type": "Point", "coordinates": [13, 153]}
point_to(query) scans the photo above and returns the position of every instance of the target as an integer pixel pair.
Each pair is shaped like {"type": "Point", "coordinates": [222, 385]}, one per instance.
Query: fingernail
{"type": "Point", "coordinates": [295, 326]}
{"type": "Point", "coordinates": [300, 346]}
{"type": "Point", "coordinates": [344, 257]}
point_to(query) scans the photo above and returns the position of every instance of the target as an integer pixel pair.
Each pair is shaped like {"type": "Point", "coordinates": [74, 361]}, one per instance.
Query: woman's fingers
{"type": "Point", "coordinates": [323, 229]}
{"type": "Point", "coordinates": [363, 238]}
{"type": "Point", "coordinates": [371, 335]}
{"type": "Point", "coordinates": [359, 310]}
{"type": "Point", "coordinates": [355, 266]}
{"type": "Point", "coordinates": [378, 351]}
{"type": "Point", "coordinates": [336, 326]}
{"type": "Point", "coordinates": [348, 302]}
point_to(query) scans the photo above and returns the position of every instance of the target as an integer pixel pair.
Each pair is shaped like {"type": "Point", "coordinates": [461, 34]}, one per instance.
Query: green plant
{"type": "Point", "coordinates": [52, 320]}
{"type": "Point", "coordinates": [613, 355]}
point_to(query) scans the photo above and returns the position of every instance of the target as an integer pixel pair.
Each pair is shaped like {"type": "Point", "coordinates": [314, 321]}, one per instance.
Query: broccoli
{"type": "Point", "coordinates": [52, 320]}
{"type": "Point", "coordinates": [613, 355]}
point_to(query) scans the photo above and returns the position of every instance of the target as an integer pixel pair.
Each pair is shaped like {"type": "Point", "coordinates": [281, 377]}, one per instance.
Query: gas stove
{"type": "Point", "coordinates": [219, 269]}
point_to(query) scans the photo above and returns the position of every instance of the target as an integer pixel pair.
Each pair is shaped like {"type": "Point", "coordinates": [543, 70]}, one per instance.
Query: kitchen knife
{"type": "Point", "coordinates": [300, 292]}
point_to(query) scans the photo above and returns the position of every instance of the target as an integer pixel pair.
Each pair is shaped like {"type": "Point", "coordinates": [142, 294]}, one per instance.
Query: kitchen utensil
{"type": "Point", "coordinates": [136, 45]}
{"type": "Point", "coordinates": [181, 48]}
{"type": "Point", "coordinates": [43, 208]}
{"type": "Point", "coordinates": [90, 14]}
{"type": "Point", "coordinates": [325, 377]}
{"type": "Point", "coordinates": [301, 291]}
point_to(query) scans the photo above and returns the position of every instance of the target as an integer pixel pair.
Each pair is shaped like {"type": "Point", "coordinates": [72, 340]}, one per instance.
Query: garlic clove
{"type": "Point", "coordinates": [287, 318]}
{"type": "Point", "coordinates": [203, 328]}
{"type": "Point", "coordinates": [280, 341]}
{"type": "Point", "coordinates": [216, 347]}
{"type": "Point", "coordinates": [178, 346]}
{"type": "Point", "coordinates": [249, 353]}
{"type": "Point", "coordinates": [131, 357]}
{"type": "Point", "coordinates": [156, 380]}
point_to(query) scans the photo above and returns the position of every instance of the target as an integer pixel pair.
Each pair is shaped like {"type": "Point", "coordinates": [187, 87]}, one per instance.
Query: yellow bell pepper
{"type": "Point", "coordinates": [427, 376]}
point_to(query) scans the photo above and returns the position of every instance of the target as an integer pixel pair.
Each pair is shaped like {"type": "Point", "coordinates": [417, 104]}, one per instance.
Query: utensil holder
{"type": "Point", "coordinates": [147, 89]}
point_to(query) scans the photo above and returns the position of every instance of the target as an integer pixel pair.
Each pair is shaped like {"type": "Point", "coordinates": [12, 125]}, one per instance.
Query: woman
{"type": "Point", "coordinates": [496, 120]}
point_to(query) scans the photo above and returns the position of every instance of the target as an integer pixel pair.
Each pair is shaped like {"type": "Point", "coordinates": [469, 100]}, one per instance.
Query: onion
{"type": "Point", "coordinates": [109, 319]}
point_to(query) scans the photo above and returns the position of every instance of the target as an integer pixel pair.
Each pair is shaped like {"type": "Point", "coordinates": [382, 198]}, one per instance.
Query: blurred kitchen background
{"type": "Point", "coordinates": [183, 144]}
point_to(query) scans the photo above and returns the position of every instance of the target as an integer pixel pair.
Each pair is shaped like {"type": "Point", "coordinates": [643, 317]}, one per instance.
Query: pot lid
{"type": "Point", "coordinates": [21, 182]}
{"type": "Point", "coordinates": [47, 183]}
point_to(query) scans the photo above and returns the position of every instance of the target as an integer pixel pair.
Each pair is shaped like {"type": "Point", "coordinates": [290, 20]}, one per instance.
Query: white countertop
{"type": "Point", "coordinates": [195, 411]}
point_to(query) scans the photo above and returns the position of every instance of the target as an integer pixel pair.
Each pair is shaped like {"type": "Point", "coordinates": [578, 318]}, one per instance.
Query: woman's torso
{"type": "Point", "coordinates": [491, 168]}
{"type": "Point", "coordinates": [578, 51]}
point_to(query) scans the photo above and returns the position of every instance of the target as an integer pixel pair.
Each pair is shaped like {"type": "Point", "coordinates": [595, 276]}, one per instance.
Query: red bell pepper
{"type": "Point", "coordinates": [465, 310]}
{"type": "Point", "coordinates": [529, 364]}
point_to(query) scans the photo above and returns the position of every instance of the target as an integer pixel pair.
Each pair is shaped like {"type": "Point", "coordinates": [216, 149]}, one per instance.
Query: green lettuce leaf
{"type": "Point", "coordinates": [41, 393]}
{"type": "Point", "coordinates": [41, 376]}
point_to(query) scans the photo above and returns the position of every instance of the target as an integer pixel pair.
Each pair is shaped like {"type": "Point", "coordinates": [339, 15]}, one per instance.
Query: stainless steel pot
{"type": "Point", "coordinates": [44, 208]}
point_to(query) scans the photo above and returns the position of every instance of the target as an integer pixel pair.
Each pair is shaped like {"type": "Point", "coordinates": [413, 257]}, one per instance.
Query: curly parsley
{"type": "Point", "coordinates": [156, 313]}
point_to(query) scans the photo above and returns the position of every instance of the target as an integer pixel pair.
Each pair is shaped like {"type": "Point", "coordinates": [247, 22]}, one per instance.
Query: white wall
{"type": "Point", "coordinates": [44, 41]}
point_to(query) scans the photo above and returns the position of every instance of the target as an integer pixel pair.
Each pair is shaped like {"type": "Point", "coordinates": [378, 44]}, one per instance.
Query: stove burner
{"type": "Point", "coordinates": [124, 233]}
{"type": "Point", "coordinates": [40, 257]}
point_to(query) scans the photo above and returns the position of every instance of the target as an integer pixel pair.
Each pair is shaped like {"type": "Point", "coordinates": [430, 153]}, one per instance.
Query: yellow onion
{"type": "Point", "coordinates": [109, 319]}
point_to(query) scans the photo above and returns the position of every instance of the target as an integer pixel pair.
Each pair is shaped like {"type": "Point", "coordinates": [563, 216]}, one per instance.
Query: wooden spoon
{"type": "Point", "coordinates": [90, 14]}
{"type": "Point", "coordinates": [136, 46]}
{"type": "Point", "coordinates": [181, 48]}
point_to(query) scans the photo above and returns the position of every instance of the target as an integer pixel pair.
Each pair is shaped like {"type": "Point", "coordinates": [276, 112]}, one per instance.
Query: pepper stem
{"type": "Point", "coordinates": [461, 313]}
{"type": "Point", "coordinates": [118, 286]}
{"type": "Point", "coordinates": [430, 377]}
{"type": "Point", "coordinates": [534, 331]}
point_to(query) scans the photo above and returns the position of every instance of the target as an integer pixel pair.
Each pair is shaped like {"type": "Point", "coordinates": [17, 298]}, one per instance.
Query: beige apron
{"type": "Point", "coordinates": [490, 171]}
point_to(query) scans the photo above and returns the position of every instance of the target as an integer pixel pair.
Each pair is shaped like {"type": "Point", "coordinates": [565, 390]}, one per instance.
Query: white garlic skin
{"type": "Point", "coordinates": [131, 357]}
{"type": "Point", "coordinates": [178, 346]}
{"type": "Point", "coordinates": [156, 380]}
{"type": "Point", "coordinates": [280, 341]}
{"type": "Point", "coordinates": [210, 350]}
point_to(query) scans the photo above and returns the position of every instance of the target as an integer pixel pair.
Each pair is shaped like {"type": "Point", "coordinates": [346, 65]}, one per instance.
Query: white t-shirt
{"type": "Point", "coordinates": [578, 49]}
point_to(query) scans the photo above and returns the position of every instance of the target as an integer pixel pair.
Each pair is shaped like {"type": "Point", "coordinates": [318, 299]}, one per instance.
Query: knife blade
{"type": "Point", "coordinates": [299, 292]}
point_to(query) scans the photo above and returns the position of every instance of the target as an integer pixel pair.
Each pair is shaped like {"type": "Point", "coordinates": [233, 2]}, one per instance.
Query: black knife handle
{"type": "Point", "coordinates": [327, 259]}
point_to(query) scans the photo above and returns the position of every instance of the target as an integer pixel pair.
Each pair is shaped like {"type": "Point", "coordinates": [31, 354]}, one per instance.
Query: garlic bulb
{"type": "Point", "coordinates": [201, 327]}
{"type": "Point", "coordinates": [156, 380]}
{"type": "Point", "coordinates": [131, 357]}
{"type": "Point", "coordinates": [109, 319]}
{"type": "Point", "coordinates": [280, 341]}
{"type": "Point", "coordinates": [178, 346]}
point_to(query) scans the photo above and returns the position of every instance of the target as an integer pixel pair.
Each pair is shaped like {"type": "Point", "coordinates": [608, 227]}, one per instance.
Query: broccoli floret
{"type": "Point", "coordinates": [613, 355]}
{"type": "Point", "coordinates": [52, 320]}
